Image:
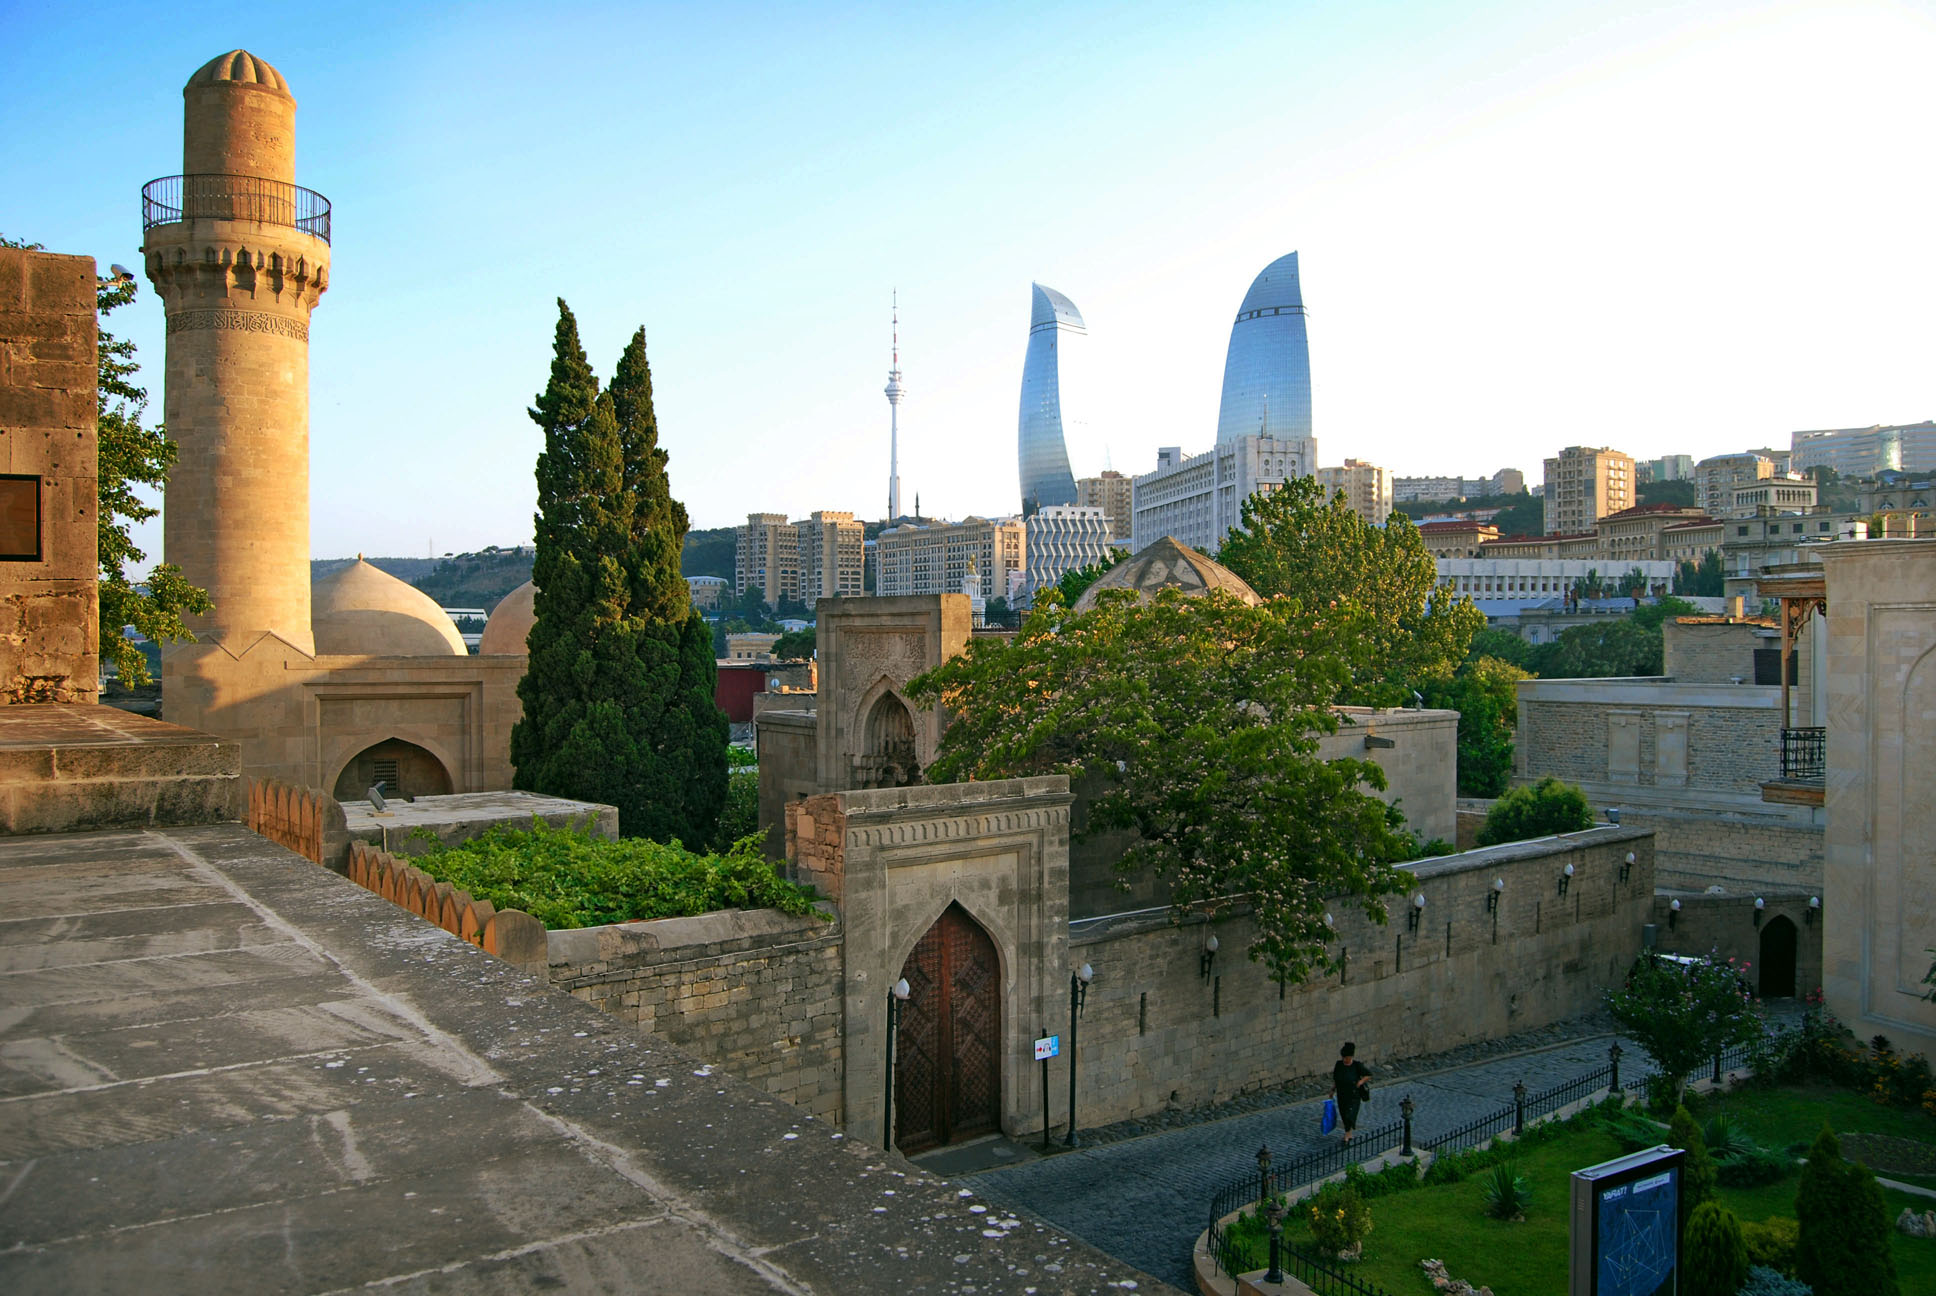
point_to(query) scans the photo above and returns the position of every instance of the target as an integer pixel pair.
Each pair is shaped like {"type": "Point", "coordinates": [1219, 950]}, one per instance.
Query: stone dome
{"type": "Point", "coordinates": [242, 67]}
{"type": "Point", "coordinates": [510, 622]}
{"type": "Point", "coordinates": [1168, 564]}
{"type": "Point", "coordinates": [360, 611]}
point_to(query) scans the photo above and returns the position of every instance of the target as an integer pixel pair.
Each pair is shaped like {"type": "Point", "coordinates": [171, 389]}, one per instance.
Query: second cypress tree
{"type": "Point", "coordinates": [618, 707]}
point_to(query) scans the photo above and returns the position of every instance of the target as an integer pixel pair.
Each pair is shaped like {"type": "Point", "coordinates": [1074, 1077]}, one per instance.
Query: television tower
{"type": "Point", "coordinates": [894, 393]}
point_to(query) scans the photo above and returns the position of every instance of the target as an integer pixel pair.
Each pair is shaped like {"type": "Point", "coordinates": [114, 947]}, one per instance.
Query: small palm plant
{"type": "Point", "coordinates": [1507, 1193]}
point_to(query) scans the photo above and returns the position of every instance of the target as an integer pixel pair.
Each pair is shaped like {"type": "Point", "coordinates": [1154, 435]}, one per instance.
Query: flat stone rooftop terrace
{"type": "Point", "coordinates": [224, 1068]}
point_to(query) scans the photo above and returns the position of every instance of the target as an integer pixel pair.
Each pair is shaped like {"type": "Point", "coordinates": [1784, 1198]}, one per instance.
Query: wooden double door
{"type": "Point", "coordinates": [947, 1080]}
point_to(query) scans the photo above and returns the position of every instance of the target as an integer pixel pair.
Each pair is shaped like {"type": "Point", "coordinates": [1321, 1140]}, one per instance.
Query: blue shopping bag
{"type": "Point", "coordinates": [1329, 1120]}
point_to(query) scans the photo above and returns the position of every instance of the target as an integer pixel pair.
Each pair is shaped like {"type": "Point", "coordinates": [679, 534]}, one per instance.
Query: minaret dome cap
{"type": "Point", "coordinates": [243, 68]}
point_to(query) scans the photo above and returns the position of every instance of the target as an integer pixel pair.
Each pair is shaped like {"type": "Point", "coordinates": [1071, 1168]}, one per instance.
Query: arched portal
{"type": "Point", "coordinates": [887, 737]}
{"type": "Point", "coordinates": [947, 1080]}
{"type": "Point", "coordinates": [1778, 940]}
{"type": "Point", "coordinates": [404, 770]}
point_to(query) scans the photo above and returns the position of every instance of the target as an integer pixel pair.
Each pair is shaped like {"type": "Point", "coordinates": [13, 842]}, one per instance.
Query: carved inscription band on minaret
{"type": "Point", "coordinates": [238, 320]}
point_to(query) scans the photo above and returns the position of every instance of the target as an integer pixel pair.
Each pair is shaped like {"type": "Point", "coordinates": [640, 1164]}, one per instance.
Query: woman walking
{"type": "Point", "coordinates": [1350, 1086]}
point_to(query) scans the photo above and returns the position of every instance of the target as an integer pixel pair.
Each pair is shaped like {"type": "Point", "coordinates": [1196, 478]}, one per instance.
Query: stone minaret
{"type": "Point", "coordinates": [239, 256]}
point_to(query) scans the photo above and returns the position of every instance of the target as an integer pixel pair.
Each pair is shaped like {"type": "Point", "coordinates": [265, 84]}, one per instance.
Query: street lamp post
{"type": "Point", "coordinates": [897, 995]}
{"type": "Point", "coordinates": [1078, 991]}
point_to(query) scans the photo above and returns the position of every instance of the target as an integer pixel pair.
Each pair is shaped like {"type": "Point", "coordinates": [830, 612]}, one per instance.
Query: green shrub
{"type": "Point", "coordinates": [1697, 1170]}
{"type": "Point", "coordinates": [1508, 1195]}
{"type": "Point", "coordinates": [1843, 1243]}
{"type": "Point", "coordinates": [740, 816]}
{"type": "Point", "coordinates": [1446, 1169]}
{"type": "Point", "coordinates": [1723, 1139]}
{"type": "Point", "coordinates": [1338, 1217]}
{"type": "Point", "coordinates": [1751, 1168]}
{"type": "Point", "coordinates": [567, 878]}
{"type": "Point", "coordinates": [1549, 806]}
{"type": "Point", "coordinates": [1634, 1131]}
{"type": "Point", "coordinates": [1766, 1282]}
{"type": "Point", "coordinates": [1771, 1243]}
{"type": "Point", "coordinates": [1713, 1259]}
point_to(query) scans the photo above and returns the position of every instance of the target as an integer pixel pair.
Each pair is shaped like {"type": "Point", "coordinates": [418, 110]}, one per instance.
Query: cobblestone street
{"type": "Point", "coordinates": [1143, 1199]}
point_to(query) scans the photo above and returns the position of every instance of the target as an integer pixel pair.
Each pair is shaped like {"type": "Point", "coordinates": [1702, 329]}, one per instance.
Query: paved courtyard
{"type": "Point", "coordinates": [1144, 1200]}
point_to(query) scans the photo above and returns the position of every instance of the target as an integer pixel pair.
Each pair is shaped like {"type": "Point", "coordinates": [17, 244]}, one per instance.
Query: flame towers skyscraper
{"type": "Point", "coordinates": [1267, 371]}
{"type": "Point", "coordinates": [1044, 455]}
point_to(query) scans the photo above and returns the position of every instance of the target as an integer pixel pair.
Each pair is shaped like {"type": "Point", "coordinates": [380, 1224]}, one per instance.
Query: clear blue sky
{"type": "Point", "coordinates": [1688, 228]}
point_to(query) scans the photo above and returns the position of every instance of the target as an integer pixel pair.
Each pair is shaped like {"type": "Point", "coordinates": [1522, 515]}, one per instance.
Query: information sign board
{"type": "Point", "coordinates": [1625, 1226]}
{"type": "Point", "coordinates": [1047, 1047]}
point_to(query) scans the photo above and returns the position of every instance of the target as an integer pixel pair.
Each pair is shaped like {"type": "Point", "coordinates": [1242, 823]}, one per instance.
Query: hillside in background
{"type": "Point", "coordinates": [404, 569]}
{"type": "Point", "coordinates": [709, 553]}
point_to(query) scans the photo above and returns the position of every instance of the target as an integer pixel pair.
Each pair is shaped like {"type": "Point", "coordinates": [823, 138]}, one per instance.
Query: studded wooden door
{"type": "Point", "coordinates": [947, 1082]}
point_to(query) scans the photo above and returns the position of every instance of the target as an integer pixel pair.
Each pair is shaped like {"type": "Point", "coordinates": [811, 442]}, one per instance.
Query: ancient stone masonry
{"type": "Point", "coordinates": [49, 496]}
{"type": "Point", "coordinates": [755, 992]}
{"type": "Point", "coordinates": [510, 934]}
{"type": "Point", "coordinates": [305, 820]}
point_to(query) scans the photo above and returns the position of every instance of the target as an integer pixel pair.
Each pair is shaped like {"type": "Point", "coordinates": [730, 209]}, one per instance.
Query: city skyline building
{"type": "Point", "coordinates": [1583, 485]}
{"type": "Point", "coordinates": [818, 557]}
{"type": "Point", "coordinates": [1062, 538]}
{"type": "Point", "coordinates": [1200, 499]}
{"type": "Point", "coordinates": [935, 557]}
{"type": "Point", "coordinates": [1267, 369]}
{"type": "Point", "coordinates": [1864, 452]}
{"type": "Point", "coordinates": [1367, 488]}
{"type": "Point", "coordinates": [1110, 492]}
{"type": "Point", "coordinates": [894, 392]}
{"type": "Point", "coordinates": [1041, 444]}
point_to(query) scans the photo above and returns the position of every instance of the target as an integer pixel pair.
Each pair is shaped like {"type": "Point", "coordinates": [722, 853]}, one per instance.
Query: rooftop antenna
{"type": "Point", "coordinates": [894, 392]}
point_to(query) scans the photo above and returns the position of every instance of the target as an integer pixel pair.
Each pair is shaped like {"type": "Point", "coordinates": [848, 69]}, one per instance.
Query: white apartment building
{"type": "Point", "coordinates": [1864, 452]}
{"type": "Point", "coordinates": [1199, 500]}
{"type": "Point", "coordinates": [1061, 538]}
{"type": "Point", "coordinates": [935, 557]}
{"type": "Point", "coordinates": [1583, 485]}
{"type": "Point", "coordinates": [1367, 488]}
{"type": "Point", "coordinates": [1482, 579]}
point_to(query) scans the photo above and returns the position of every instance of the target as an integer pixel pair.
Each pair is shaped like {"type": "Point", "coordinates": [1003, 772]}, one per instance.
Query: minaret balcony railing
{"type": "Point", "coordinates": [234, 197]}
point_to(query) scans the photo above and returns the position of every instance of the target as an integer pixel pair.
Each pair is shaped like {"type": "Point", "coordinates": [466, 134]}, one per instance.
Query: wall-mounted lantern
{"type": "Point", "coordinates": [1673, 912]}
{"type": "Point", "coordinates": [1814, 907]}
{"type": "Point", "coordinates": [1208, 958]}
{"type": "Point", "coordinates": [1492, 896]}
{"type": "Point", "coordinates": [1626, 866]}
{"type": "Point", "coordinates": [897, 994]}
{"type": "Point", "coordinates": [1418, 911]}
{"type": "Point", "coordinates": [1566, 878]}
{"type": "Point", "coordinates": [1760, 904]}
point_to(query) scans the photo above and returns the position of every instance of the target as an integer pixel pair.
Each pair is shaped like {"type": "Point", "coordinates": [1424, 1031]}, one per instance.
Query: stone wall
{"type": "Point", "coordinates": [1157, 1032]}
{"type": "Point", "coordinates": [1651, 737]}
{"type": "Point", "coordinates": [1724, 927]}
{"type": "Point", "coordinates": [755, 992]}
{"type": "Point", "coordinates": [49, 562]}
{"type": "Point", "coordinates": [785, 742]}
{"type": "Point", "coordinates": [1739, 851]}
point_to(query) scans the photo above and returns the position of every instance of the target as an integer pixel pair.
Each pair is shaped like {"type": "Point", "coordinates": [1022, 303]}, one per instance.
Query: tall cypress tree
{"type": "Point", "coordinates": [616, 707]}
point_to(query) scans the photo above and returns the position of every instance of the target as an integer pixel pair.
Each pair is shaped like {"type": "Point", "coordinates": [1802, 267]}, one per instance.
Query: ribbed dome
{"type": "Point", "coordinates": [1168, 564]}
{"type": "Point", "coordinates": [244, 67]}
{"type": "Point", "coordinates": [510, 622]}
{"type": "Point", "coordinates": [362, 611]}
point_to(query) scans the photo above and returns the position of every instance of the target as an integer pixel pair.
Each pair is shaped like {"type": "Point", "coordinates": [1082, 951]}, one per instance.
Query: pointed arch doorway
{"type": "Point", "coordinates": [947, 1081]}
{"type": "Point", "coordinates": [1778, 943]}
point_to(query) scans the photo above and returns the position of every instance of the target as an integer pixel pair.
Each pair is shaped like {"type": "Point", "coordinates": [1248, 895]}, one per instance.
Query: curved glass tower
{"type": "Point", "coordinates": [1044, 455]}
{"type": "Point", "coordinates": [1267, 372]}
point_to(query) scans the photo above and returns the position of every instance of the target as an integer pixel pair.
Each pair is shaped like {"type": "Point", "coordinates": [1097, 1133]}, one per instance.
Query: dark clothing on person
{"type": "Point", "coordinates": [1346, 1076]}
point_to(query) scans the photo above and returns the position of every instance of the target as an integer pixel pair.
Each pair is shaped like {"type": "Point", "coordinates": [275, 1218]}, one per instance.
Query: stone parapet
{"type": "Point", "coordinates": [64, 768]}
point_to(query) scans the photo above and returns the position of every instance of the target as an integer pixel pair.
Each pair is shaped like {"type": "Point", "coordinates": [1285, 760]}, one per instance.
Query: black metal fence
{"type": "Point", "coordinates": [1272, 1180]}
{"type": "Point", "coordinates": [1804, 753]}
{"type": "Point", "coordinates": [233, 197]}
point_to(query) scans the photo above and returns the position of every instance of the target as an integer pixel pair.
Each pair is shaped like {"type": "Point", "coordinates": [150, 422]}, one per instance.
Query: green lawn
{"type": "Point", "coordinates": [1530, 1258]}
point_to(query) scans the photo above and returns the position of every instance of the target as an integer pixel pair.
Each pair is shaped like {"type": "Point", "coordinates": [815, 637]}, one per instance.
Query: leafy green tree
{"type": "Point", "coordinates": [1485, 695]}
{"type": "Point", "coordinates": [130, 455]}
{"type": "Point", "coordinates": [1626, 645]}
{"type": "Point", "coordinates": [1703, 579]}
{"type": "Point", "coordinates": [1506, 647]}
{"type": "Point", "coordinates": [1714, 1260]}
{"type": "Point", "coordinates": [1524, 516]}
{"type": "Point", "coordinates": [1297, 544]}
{"type": "Point", "coordinates": [1678, 493]}
{"type": "Point", "coordinates": [1844, 1244]}
{"type": "Point", "coordinates": [1523, 813]}
{"type": "Point", "coordinates": [618, 696]}
{"type": "Point", "coordinates": [1076, 582]}
{"type": "Point", "coordinates": [794, 645]}
{"type": "Point", "coordinates": [1697, 1168]}
{"type": "Point", "coordinates": [1685, 1013]}
{"type": "Point", "coordinates": [1197, 719]}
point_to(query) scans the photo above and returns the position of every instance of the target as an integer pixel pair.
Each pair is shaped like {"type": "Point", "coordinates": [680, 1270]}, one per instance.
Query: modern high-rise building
{"type": "Point", "coordinates": [1200, 500]}
{"type": "Point", "coordinates": [935, 557]}
{"type": "Point", "coordinates": [894, 392]}
{"type": "Point", "coordinates": [1267, 370]}
{"type": "Point", "coordinates": [818, 557]}
{"type": "Point", "coordinates": [1111, 493]}
{"type": "Point", "coordinates": [1041, 446]}
{"type": "Point", "coordinates": [1666, 468]}
{"type": "Point", "coordinates": [1367, 488]}
{"type": "Point", "coordinates": [1583, 485]}
{"type": "Point", "coordinates": [1063, 537]}
{"type": "Point", "coordinates": [1864, 452]}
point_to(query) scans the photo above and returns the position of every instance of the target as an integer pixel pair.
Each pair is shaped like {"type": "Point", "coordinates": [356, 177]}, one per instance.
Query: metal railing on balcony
{"type": "Point", "coordinates": [233, 197]}
{"type": "Point", "coordinates": [1804, 753]}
